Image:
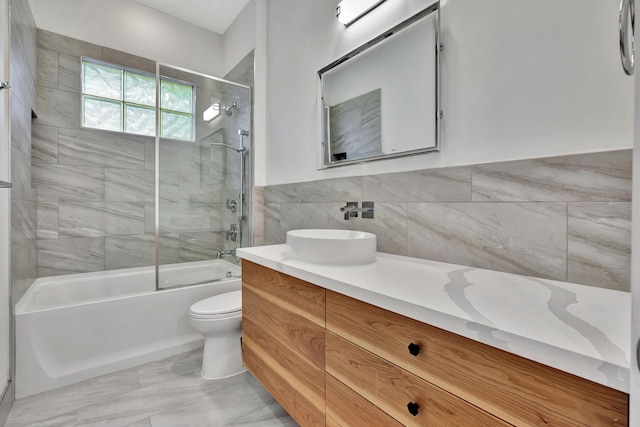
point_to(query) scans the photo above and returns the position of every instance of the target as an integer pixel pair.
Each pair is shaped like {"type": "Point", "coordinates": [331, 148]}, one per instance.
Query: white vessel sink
{"type": "Point", "coordinates": [334, 247]}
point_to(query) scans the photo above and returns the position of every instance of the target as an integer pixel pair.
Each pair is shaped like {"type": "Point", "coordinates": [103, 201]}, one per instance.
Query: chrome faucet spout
{"type": "Point", "coordinates": [351, 210]}
{"type": "Point", "coordinates": [229, 252]}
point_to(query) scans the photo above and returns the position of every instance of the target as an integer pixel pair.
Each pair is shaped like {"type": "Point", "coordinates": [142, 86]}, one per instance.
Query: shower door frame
{"type": "Point", "coordinates": [6, 324]}
{"type": "Point", "coordinates": [243, 197]}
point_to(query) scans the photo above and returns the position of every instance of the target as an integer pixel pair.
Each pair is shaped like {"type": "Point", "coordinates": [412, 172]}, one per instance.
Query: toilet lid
{"type": "Point", "coordinates": [219, 304]}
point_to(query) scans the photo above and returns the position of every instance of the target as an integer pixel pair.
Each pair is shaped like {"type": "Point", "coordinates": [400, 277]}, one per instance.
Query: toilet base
{"type": "Point", "coordinates": [222, 357]}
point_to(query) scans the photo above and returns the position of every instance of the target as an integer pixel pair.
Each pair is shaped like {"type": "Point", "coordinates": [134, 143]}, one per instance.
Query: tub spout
{"type": "Point", "coordinates": [230, 252]}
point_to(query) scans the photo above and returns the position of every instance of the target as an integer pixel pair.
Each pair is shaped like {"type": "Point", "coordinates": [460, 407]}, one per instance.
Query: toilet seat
{"type": "Point", "coordinates": [218, 306]}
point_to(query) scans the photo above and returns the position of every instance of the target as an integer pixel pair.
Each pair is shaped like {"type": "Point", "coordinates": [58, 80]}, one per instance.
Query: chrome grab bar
{"type": "Point", "coordinates": [627, 11]}
{"type": "Point", "coordinates": [5, 184]}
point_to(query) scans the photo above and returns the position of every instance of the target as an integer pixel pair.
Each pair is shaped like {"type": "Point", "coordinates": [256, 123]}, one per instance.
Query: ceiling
{"type": "Point", "coordinates": [214, 15]}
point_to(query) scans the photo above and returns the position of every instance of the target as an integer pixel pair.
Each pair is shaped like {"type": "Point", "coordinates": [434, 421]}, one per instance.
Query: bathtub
{"type": "Point", "coordinates": [75, 327]}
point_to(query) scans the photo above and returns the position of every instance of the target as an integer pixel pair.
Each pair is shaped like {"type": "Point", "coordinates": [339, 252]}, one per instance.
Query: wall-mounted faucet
{"type": "Point", "coordinates": [351, 210]}
{"type": "Point", "coordinates": [230, 252]}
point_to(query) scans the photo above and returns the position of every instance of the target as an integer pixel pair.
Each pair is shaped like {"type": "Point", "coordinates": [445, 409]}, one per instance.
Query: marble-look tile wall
{"type": "Point", "coordinates": [242, 73]}
{"type": "Point", "coordinates": [23, 197]}
{"type": "Point", "coordinates": [355, 127]}
{"type": "Point", "coordinates": [96, 189]}
{"type": "Point", "coordinates": [566, 218]}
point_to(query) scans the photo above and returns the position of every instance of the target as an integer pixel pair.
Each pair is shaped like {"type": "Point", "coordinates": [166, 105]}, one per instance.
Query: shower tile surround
{"type": "Point", "coordinates": [565, 218]}
{"type": "Point", "coordinates": [95, 189]}
{"type": "Point", "coordinates": [23, 99]}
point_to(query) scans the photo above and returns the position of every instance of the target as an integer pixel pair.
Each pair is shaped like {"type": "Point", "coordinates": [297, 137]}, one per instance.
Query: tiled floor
{"type": "Point", "coordinates": [168, 393]}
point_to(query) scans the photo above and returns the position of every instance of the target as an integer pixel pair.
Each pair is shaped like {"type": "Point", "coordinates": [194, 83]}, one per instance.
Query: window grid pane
{"type": "Point", "coordinates": [176, 125]}
{"type": "Point", "coordinates": [140, 120]}
{"type": "Point", "coordinates": [101, 80]}
{"type": "Point", "coordinates": [102, 113]}
{"type": "Point", "coordinates": [176, 96]}
{"type": "Point", "coordinates": [140, 89]}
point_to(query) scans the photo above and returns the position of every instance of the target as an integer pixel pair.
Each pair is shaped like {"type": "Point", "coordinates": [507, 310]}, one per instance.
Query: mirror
{"type": "Point", "coordinates": [382, 99]}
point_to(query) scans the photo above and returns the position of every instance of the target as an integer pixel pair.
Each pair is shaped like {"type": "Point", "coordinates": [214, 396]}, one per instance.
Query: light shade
{"type": "Point", "coordinates": [349, 11]}
{"type": "Point", "coordinates": [211, 112]}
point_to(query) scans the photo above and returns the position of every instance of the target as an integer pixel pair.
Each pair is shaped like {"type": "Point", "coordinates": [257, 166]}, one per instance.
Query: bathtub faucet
{"type": "Point", "coordinates": [231, 252]}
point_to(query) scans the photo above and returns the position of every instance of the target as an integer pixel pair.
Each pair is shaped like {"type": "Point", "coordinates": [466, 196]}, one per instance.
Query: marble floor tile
{"type": "Point", "coordinates": [59, 404]}
{"type": "Point", "coordinates": [167, 392]}
{"type": "Point", "coordinates": [241, 395]}
{"type": "Point", "coordinates": [272, 415]}
{"type": "Point", "coordinates": [188, 363]}
{"type": "Point", "coordinates": [142, 403]}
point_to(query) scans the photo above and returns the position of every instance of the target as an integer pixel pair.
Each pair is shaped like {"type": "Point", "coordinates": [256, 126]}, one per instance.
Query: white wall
{"type": "Point", "coordinates": [524, 79]}
{"type": "Point", "coordinates": [240, 37]}
{"type": "Point", "coordinates": [130, 27]}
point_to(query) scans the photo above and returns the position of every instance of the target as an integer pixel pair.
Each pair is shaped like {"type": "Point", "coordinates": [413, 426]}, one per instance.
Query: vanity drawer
{"type": "Point", "coordinates": [391, 389]}
{"type": "Point", "coordinates": [266, 302]}
{"type": "Point", "coordinates": [291, 379]}
{"type": "Point", "coordinates": [294, 295]}
{"type": "Point", "coordinates": [347, 408]}
{"type": "Point", "coordinates": [517, 390]}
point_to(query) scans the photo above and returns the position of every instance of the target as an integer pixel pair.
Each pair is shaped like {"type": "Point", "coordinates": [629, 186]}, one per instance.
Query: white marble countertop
{"type": "Point", "coordinates": [579, 329]}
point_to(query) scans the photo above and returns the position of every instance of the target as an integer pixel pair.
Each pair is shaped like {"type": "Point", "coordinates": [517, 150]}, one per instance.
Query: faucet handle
{"type": "Point", "coordinates": [232, 233]}
{"type": "Point", "coordinates": [348, 210]}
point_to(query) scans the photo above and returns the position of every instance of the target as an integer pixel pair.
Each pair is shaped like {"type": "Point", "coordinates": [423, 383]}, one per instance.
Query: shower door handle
{"type": "Point", "coordinates": [5, 184]}
{"type": "Point", "coordinates": [627, 13]}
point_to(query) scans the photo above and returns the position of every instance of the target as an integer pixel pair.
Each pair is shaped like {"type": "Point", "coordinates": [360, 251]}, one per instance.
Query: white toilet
{"type": "Point", "coordinates": [219, 320]}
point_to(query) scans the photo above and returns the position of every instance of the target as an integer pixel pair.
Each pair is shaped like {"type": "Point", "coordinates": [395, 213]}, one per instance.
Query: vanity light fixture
{"type": "Point", "coordinates": [211, 112]}
{"type": "Point", "coordinates": [349, 11]}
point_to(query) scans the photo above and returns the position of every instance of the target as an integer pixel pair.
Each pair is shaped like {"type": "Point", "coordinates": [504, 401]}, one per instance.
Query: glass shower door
{"type": "Point", "coordinates": [198, 201]}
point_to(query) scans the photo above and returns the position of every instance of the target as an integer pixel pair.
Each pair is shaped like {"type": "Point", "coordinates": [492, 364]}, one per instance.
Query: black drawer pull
{"type": "Point", "coordinates": [413, 408]}
{"type": "Point", "coordinates": [414, 349]}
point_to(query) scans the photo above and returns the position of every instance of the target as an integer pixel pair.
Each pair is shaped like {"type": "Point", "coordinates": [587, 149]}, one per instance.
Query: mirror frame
{"type": "Point", "coordinates": [324, 161]}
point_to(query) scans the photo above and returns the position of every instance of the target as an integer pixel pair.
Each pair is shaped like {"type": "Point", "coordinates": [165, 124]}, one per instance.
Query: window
{"type": "Point", "coordinates": [119, 99]}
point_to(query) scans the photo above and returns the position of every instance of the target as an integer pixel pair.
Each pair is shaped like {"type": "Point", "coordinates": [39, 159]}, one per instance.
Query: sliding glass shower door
{"type": "Point", "coordinates": [200, 210]}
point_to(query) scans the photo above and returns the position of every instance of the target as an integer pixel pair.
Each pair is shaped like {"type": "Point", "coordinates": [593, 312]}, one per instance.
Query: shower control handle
{"type": "Point", "coordinates": [232, 205]}
{"type": "Point", "coordinates": [232, 233]}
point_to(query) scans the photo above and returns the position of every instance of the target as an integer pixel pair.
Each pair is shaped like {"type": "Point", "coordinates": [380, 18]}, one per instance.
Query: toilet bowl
{"type": "Point", "coordinates": [219, 320]}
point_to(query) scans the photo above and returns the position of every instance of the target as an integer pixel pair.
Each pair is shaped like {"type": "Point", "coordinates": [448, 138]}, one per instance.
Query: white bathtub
{"type": "Point", "coordinates": [75, 327]}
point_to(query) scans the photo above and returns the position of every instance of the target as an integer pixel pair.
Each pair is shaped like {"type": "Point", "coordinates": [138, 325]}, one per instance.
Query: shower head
{"type": "Point", "coordinates": [229, 110]}
{"type": "Point", "coordinates": [214, 111]}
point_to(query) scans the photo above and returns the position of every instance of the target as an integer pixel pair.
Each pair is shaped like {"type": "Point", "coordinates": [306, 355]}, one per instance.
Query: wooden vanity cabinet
{"type": "Point", "coordinates": [514, 389]}
{"type": "Point", "coordinates": [332, 360]}
{"type": "Point", "coordinates": [283, 328]}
